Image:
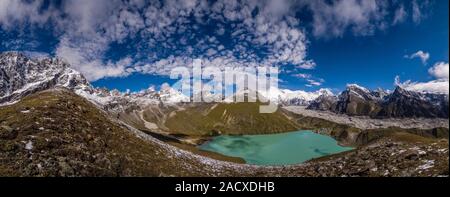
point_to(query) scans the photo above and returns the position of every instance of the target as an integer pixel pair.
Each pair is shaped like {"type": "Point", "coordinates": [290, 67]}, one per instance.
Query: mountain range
{"type": "Point", "coordinates": [20, 76]}
{"type": "Point", "coordinates": [359, 101]}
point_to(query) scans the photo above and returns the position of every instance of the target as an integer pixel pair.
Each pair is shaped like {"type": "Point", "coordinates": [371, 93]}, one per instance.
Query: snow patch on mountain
{"type": "Point", "coordinates": [20, 76]}
{"type": "Point", "coordinates": [280, 96]}
{"type": "Point", "coordinates": [169, 95]}
{"type": "Point", "coordinates": [357, 100]}
{"type": "Point", "coordinates": [291, 97]}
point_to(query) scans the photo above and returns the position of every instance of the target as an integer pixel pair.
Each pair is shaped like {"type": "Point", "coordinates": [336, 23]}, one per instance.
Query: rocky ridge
{"type": "Point", "coordinates": [401, 103]}
{"type": "Point", "coordinates": [21, 75]}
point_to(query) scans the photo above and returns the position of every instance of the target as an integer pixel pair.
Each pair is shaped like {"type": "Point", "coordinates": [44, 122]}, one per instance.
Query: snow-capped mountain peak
{"type": "Point", "coordinates": [20, 75]}
{"type": "Point", "coordinates": [354, 86]}
{"type": "Point", "coordinates": [170, 95]}
{"type": "Point", "coordinates": [293, 97]}
{"type": "Point", "coordinates": [358, 91]}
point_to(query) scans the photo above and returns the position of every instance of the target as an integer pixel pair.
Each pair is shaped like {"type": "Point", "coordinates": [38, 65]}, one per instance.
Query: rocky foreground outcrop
{"type": "Point", "coordinates": [388, 158]}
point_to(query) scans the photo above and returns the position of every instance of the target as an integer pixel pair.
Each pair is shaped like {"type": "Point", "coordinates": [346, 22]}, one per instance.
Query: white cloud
{"type": "Point", "coordinates": [434, 86]}
{"type": "Point", "coordinates": [416, 12]}
{"type": "Point", "coordinates": [18, 44]}
{"type": "Point", "coordinates": [333, 19]}
{"type": "Point", "coordinates": [36, 54]}
{"type": "Point", "coordinates": [220, 31]}
{"type": "Point", "coordinates": [83, 57]}
{"type": "Point", "coordinates": [313, 82]}
{"type": "Point", "coordinates": [86, 29]}
{"type": "Point", "coordinates": [302, 75]}
{"type": "Point", "coordinates": [14, 13]}
{"type": "Point", "coordinates": [424, 56]}
{"type": "Point", "coordinates": [283, 42]}
{"type": "Point", "coordinates": [440, 70]}
{"type": "Point", "coordinates": [79, 23]}
{"type": "Point", "coordinates": [400, 15]}
{"type": "Point", "coordinates": [361, 17]}
{"type": "Point", "coordinates": [441, 85]}
{"type": "Point", "coordinates": [309, 64]}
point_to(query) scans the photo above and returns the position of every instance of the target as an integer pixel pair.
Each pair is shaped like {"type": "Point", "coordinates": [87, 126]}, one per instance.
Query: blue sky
{"type": "Point", "coordinates": [133, 44]}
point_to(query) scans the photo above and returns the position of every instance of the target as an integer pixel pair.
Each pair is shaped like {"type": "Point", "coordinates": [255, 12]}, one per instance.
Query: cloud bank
{"type": "Point", "coordinates": [160, 35]}
{"type": "Point", "coordinates": [440, 71]}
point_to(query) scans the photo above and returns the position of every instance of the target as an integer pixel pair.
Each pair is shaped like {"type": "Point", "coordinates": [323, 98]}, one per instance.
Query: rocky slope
{"type": "Point", "coordinates": [57, 133]}
{"type": "Point", "coordinates": [359, 101]}
{"type": "Point", "coordinates": [366, 122]}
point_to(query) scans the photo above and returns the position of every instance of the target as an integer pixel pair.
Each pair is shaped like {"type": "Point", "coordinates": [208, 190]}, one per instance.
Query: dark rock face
{"type": "Point", "coordinates": [358, 101]}
{"type": "Point", "coordinates": [404, 103]}
{"type": "Point", "coordinates": [323, 103]}
{"type": "Point", "coordinates": [295, 101]}
{"type": "Point", "coordinates": [21, 76]}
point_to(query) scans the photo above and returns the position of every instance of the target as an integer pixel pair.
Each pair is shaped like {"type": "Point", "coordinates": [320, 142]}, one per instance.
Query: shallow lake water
{"type": "Point", "coordinates": [275, 149]}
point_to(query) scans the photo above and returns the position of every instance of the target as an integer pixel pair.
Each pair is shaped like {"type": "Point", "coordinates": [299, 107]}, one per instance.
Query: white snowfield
{"type": "Point", "coordinates": [297, 97]}
{"type": "Point", "coordinates": [364, 122]}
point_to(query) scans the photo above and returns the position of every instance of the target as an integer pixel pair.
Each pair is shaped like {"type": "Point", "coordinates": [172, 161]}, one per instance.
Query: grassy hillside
{"type": "Point", "coordinates": [58, 133]}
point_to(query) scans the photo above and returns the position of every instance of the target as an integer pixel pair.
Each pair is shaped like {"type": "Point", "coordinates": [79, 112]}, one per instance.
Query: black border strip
{"type": "Point", "coordinates": [304, 186]}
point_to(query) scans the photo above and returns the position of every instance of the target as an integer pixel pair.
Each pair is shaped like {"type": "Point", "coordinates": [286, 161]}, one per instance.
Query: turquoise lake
{"type": "Point", "coordinates": [275, 149]}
